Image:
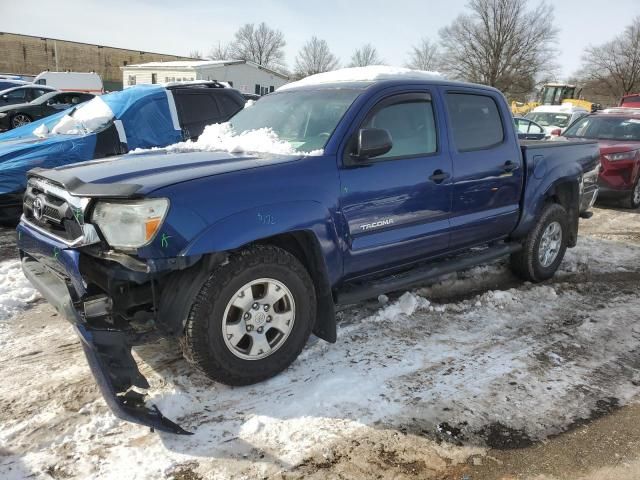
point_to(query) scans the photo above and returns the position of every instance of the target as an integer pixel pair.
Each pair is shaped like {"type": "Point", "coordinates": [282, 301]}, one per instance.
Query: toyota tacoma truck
{"type": "Point", "coordinates": [383, 184]}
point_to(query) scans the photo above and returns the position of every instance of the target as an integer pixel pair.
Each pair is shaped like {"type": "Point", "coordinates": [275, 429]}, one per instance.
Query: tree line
{"type": "Point", "coordinates": [507, 44]}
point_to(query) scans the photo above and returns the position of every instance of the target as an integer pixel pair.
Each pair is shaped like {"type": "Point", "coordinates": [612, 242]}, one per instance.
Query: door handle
{"type": "Point", "coordinates": [510, 166]}
{"type": "Point", "coordinates": [439, 176]}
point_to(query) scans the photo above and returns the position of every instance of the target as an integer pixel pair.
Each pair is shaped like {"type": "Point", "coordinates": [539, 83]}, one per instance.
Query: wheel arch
{"type": "Point", "coordinates": [184, 285]}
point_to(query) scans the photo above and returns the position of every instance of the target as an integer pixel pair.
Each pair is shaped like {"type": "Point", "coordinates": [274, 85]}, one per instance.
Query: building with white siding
{"type": "Point", "coordinates": [248, 77]}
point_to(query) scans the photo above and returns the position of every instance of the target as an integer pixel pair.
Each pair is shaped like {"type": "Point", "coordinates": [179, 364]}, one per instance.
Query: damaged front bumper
{"type": "Point", "coordinates": [53, 271]}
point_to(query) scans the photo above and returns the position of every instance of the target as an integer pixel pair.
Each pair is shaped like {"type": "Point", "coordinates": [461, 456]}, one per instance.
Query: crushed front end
{"type": "Point", "coordinates": [111, 298]}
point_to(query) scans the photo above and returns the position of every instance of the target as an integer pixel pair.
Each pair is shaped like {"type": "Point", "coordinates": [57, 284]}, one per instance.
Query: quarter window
{"type": "Point", "coordinates": [411, 125]}
{"type": "Point", "coordinates": [475, 121]}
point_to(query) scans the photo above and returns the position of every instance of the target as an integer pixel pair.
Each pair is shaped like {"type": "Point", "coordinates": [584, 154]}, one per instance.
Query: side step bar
{"type": "Point", "coordinates": [357, 292]}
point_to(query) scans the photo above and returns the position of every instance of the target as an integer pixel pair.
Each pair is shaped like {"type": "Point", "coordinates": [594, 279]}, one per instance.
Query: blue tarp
{"type": "Point", "coordinates": [145, 113]}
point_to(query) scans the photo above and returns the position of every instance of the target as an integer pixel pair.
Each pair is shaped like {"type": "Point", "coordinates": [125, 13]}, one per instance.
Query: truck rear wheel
{"type": "Point", "coordinates": [252, 317]}
{"type": "Point", "coordinates": [544, 247]}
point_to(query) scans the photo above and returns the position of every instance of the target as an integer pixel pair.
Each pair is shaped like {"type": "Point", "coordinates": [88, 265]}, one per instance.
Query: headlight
{"type": "Point", "coordinates": [132, 223]}
{"type": "Point", "coordinates": [616, 157]}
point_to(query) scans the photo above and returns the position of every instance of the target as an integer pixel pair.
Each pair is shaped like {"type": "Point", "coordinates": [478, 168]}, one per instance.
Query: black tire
{"type": "Point", "coordinates": [526, 263]}
{"type": "Point", "coordinates": [204, 344]}
{"type": "Point", "coordinates": [632, 200]}
{"type": "Point", "coordinates": [24, 115]}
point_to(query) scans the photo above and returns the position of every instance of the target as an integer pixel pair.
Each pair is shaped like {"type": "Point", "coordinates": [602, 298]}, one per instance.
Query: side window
{"type": "Point", "coordinates": [533, 128]}
{"type": "Point", "coordinates": [20, 94]}
{"type": "Point", "coordinates": [521, 125]}
{"type": "Point", "coordinates": [412, 127]}
{"type": "Point", "coordinates": [475, 121]}
{"type": "Point", "coordinates": [229, 106]}
{"type": "Point", "coordinates": [196, 107]}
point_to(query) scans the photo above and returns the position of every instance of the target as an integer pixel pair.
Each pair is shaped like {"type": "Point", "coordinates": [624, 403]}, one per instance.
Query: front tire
{"type": "Point", "coordinates": [252, 317]}
{"type": "Point", "coordinates": [544, 247]}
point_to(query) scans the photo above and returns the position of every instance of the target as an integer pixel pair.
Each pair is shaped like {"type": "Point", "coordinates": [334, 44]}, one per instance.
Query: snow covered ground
{"type": "Point", "coordinates": [416, 384]}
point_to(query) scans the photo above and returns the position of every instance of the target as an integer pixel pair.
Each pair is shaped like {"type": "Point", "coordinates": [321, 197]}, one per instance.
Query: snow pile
{"type": "Point", "coordinates": [15, 291]}
{"type": "Point", "coordinates": [408, 304]}
{"type": "Point", "coordinates": [364, 74]}
{"type": "Point", "coordinates": [89, 117]}
{"type": "Point", "coordinates": [221, 137]}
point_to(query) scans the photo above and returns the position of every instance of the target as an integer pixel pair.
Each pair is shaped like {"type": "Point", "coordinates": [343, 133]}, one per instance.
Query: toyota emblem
{"type": "Point", "coordinates": [38, 207]}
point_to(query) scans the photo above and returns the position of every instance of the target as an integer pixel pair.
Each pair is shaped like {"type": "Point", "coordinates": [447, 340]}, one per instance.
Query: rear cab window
{"type": "Point", "coordinates": [475, 121]}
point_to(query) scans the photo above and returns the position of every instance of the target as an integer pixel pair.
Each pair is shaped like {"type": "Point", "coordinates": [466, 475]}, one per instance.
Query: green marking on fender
{"type": "Point", "coordinates": [56, 252]}
{"type": "Point", "coordinates": [79, 215]}
{"type": "Point", "coordinates": [164, 240]}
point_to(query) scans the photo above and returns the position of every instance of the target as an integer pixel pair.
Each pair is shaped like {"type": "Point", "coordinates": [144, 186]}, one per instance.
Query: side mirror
{"type": "Point", "coordinates": [373, 142]}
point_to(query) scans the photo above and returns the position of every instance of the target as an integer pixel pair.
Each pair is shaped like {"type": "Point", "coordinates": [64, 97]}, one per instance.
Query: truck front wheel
{"type": "Point", "coordinates": [252, 317]}
{"type": "Point", "coordinates": [544, 247]}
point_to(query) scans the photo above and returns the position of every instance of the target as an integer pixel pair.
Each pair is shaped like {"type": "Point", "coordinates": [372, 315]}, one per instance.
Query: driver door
{"type": "Point", "coordinates": [397, 205]}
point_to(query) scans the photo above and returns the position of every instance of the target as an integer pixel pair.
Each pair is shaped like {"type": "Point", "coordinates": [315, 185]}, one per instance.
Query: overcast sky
{"type": "Point", "coordinates": [170, 26]}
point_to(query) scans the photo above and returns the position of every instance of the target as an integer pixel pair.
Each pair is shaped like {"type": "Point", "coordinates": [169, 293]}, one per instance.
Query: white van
{"type": "Point", "coordinates": [71, 81]}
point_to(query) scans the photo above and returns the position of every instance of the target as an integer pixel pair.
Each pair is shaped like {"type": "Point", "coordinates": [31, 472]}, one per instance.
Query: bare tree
{"type": "Point", "coordinates": [613, 69]}
{"type": "Point", "coordinates": [221, 51]}
{"type": "Point", "coordinates": [424, 56]}
{"type": "Point", "coordinates": [315, 57]}
{"type": "Point", "coordinates": [365, 56]}
{"type": "Point", "coordinates": [500, 43]}
{"type": "Point", "coordinates": [195, 54]}
{"type": "Point", "coordinates": [260, 44]}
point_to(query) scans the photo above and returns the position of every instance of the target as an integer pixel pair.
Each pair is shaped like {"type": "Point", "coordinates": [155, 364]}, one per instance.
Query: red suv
{"type": "Point", "coordinates": [618, 132]}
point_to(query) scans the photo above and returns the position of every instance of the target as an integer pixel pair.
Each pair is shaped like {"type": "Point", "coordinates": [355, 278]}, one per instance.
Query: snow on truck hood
{"type": "Point", "coordinates": [372, 73]}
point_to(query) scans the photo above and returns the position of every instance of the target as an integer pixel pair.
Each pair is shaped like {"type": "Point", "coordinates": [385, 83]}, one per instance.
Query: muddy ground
{"type": "Point", "coordinates": [478, 376]}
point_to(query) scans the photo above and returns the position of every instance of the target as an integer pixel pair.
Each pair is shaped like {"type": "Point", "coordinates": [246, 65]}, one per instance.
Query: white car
{"type": "Point", "coordinates": [556, 118]}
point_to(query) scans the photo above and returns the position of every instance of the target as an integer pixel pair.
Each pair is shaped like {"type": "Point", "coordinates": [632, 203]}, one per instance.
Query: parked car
{"type": "Point", "coordinates": [528, 129]}
{"type": "Point", "coordinates": [242, 255]}
{"type": "Point", "coordinates": [15, 116]}
{"type": "Point", "coordinates": [22, 94]}
{"type": "Point", "coordinates": [9, 83]}
{"type": "Point", "coordinates": [144, 116]}
{"type": "Point", "coordinates": [618, 132]}
{"type": "Point", "coordinates": [556, 118]}
{"type": "Point", "coordinates": [71, 81]}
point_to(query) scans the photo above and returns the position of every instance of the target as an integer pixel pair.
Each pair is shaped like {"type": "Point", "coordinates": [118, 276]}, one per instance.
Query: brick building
{"type": "Point", "coordinates": [29, 55]}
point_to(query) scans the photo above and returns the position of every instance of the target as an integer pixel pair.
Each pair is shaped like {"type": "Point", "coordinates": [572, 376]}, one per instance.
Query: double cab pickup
{"type": "Point", "coordinates": [241, 256]}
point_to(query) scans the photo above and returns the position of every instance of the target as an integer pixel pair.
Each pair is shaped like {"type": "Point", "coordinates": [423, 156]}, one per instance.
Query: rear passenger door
{"type": "Point", "coordinates": [487, 168]}
{"type": "Point", "coordinates": [197, 108]}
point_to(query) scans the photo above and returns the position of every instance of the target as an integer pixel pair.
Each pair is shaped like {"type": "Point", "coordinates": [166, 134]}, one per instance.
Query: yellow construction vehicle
{"type": "Point", "coordinates": [553, 94]}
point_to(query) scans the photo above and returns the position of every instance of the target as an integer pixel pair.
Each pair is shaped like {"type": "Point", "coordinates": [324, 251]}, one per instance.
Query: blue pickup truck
{"type": "Point", "coordinates": [243, 255]}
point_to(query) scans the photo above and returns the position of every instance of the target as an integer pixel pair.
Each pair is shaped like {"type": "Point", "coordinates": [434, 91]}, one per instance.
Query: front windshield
{"type": "Point", "coordinates": [89, 117]}
{"type": "Point", "coordinates": [304, 119]}
{"type": "Point", "coordinates": [550, 119]}
{"type": "Point", "coordinates": [606, 128]}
